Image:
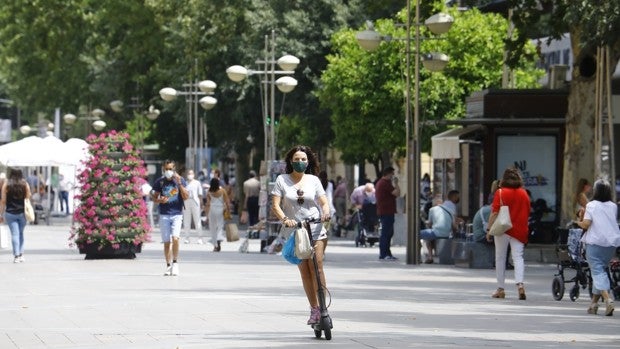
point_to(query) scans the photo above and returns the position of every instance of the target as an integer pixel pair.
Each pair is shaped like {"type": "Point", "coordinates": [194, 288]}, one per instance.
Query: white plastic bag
{"type": "Point", "coordinates": [303, 248]}
{"type": "Point", "coordinates": [5, 238]}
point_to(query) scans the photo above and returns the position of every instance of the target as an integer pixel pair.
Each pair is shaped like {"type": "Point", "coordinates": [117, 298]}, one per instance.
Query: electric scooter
{"type": "Point", "coordinates": [325, 324]}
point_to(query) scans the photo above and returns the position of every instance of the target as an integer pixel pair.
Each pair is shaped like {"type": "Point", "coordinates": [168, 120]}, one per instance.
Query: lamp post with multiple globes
{"type": "Point", "coordinates": [151, 114]}
{"type": "Point", "coordinates": [369, 40]}
{"type": "Point", "coordinates": [267, 72]}
{"type": "Point", "coordinates": [196, 126]}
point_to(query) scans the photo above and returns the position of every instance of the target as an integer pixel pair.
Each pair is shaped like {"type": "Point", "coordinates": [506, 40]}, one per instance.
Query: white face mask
{"type": "Point", "coordinates": [190, 177]}
{"type": "Point", "coordinates": [168, 174]}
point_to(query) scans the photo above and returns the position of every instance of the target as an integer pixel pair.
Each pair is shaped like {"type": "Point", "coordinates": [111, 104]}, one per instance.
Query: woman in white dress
{"type": "Point", "coordinates": [217, 203]}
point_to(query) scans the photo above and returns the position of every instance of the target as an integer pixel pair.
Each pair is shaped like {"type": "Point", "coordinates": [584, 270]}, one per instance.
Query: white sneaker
{"type": "Point", "coordinates": [186, 241]}
{"type": "Point", "coordinates": [175, 269]}
{"type": "Point", "coordinates": [168, 271]}
{"type": "Point", "coordinates": [200, 242]}
{"type": "Point", "coordinates": [16, 259]}
{"type": "Point", "coordinates": [21, 259]}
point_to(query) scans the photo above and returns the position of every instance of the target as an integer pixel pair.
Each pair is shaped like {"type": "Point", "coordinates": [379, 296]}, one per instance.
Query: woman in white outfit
{"type": "Point", "coordinates": [298, 195]}
{"type": "Point", "coordinates": [217, 203]}
{"type": "Point", "coordinates": [191, 209]}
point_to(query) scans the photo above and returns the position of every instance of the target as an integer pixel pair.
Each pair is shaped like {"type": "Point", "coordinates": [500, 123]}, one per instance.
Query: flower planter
{"type": "Point", "coordinates": [114, 198]}
{"type": "Point", "coordinates": [125, 251]}
{"type": "Point", "coordinates": [115, 154]}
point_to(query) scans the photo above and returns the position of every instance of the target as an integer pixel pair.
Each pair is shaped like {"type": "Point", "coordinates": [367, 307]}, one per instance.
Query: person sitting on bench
{"type": "Point", "coordinates": [440, 225]}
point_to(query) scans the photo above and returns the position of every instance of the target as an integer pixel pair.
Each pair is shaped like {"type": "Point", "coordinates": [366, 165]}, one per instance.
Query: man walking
{"type": "Point", "coordinates": [169, 192]}
{"type": "Point", "coordinates": [386, 192]}
{"type": "Point", "coordinates": [251, 189]}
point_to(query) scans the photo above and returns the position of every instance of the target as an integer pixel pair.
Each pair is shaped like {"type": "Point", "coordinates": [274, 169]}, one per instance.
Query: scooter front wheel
{"type": "Point", "coordinates": [317, 333]}
{"type": "Point", "coordinates": [326, 323]}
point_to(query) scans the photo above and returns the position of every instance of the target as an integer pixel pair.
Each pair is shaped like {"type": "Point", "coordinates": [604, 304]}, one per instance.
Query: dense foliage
{"type": "Point", "coordinates": [364, 90]}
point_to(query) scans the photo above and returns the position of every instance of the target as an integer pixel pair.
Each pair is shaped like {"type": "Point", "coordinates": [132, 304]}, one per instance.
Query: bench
{"type": "Point", "coordinates": [443, 250]}
{"type": "Point", "coordinates": [41, 214]}
{"type": "Point", "coordinates": [474, 255]}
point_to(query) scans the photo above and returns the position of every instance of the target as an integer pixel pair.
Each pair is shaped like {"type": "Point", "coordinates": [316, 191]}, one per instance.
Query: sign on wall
{"type": "Point", "coordinates": [535, 157]}
{"type": "Point", "coordinates": [5, 130]}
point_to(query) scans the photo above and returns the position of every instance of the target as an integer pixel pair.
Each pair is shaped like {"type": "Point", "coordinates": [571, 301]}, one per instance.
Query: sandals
{"type": "Point", "coordinates": [499, 293]}
{"type": "Point", "coordinates": [521, 290]}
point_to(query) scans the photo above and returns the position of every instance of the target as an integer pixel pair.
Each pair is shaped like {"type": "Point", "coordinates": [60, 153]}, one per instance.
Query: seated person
{"type": "Point", "coordinates": [479, 225]}
{"type": "Point", "coordinates": [39, 199]}
{"type": "Point", "coordinates": [440, 225]}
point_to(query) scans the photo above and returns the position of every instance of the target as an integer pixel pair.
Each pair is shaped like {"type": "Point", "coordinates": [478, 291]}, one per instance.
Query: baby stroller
{"type": "Point", "coordinates": [570, 254]}
{"type": "Point", "coordinates": [367, 223]}
{"type": "Point", "coordinates": [614, 274]}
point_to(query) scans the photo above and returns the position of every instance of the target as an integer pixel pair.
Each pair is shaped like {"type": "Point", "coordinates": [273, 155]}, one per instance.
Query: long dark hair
{"type": "Point", "coordinates": [323, 178]}
{"type": "Point", "coordinates": [313, 162]}
{"type": "Point", "coordinates": [602, 191]}
{"type": "Point", "coordinates": [16, 185]}
{"type": "Point", "coordinates": [214, 185]}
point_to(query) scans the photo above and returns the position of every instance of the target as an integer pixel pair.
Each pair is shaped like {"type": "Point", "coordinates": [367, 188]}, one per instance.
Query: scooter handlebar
{"type": "Point", "coordinates": [309, 220]}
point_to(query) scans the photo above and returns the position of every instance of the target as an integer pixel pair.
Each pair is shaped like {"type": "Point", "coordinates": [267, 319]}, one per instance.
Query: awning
{"type": "Point", "coordinates": [445, 145]}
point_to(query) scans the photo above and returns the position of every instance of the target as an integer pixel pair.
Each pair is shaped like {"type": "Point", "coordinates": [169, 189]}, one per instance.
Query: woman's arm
{"type": "Point", "coordinates": [3, 201]}
{"type": "Point", "coordinates": [277, 210]}
{"type": "Point", "coordinates": [226, 200]}
{"type": "Point", "coordinates": [207, 205]}
{"type": "Point", "coordinates": [582, 200]}
{"type": "Point", "coordinates": [584, 224]}
{"type": "Point", "coordinates": [491, 220]}
{"type": "Point", "coordinates": [325, 215]}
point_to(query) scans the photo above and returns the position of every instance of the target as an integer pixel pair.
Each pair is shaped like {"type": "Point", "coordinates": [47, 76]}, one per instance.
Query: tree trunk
{"type": "Point", "coordinates": [579, 157]}
{"type": "Point", "coordinates": [579, 147]}
{"type": "Point", "coordinates": [578, 144]}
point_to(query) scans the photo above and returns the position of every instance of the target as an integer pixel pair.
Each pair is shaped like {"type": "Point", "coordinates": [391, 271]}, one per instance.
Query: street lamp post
{"type": "Point", "coordinates": [151, 113]}
{"type": "Point", "coordinates": [267, 70]}
{"type": "Point", "coordinates": [196, 126]}
{"type": "Point", "coordinates": [95, 117]}
{"type": "Point", "coordinates": [370, 40]}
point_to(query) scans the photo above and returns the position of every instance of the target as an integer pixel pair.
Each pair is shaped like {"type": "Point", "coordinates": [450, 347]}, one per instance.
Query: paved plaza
{"type": "Point", "coordinates": [56, 299]}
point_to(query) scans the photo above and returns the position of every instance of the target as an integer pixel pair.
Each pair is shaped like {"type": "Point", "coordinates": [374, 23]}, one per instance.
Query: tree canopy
{"type": "Point", "coordinates": [364, 91]}
{"type": "Point", "coordinates": [591, 25]}
{"type": "Point", "coordinates": [74, 53]}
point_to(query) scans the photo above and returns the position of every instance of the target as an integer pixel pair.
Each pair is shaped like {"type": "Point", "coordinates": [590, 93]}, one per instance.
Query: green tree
{"type": "Point", "coordinates": [74, 53]}
{"type": "Point", "coordinates": [41, 53]}
{"type": "Point", "coordinates": [364, 91]}
{"type": "Point", "coordinates": [591, 24]}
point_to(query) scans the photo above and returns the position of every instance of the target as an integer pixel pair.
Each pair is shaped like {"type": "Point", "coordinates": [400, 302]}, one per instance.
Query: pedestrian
{"type": "Point", "coordinates": [217, 203]}
{"type": "Point", "coordinates": [63, 188]}
{"type": "Point", "coordinates": [601, 238]}
{"type": "Point", "coordinates": [251, 190]}
{"type": "Point", "coordinates": [581, 197]}
{"type": "Point", "coordinates": [511, 194]}
{"type": "Point", "coordinates": [481, 218]}
{"type": "Point", "coordinates": [363, 194]}
{"type": "Point", "coordinates": [328, 186]}
{"type": "Point", "coordinates": [298, 195]}
{"type": "Point", "coordinates": [386, 192]}
{"type": "Point", "coordinates": [440, 226]}
{"type": "Point", "coordinates": [192, 208]}
{"type": "Point", "coordinates": [169, 191]}
{"type": "Point", "coordinates": [14, 191]}
{"type": "Point", "coordinates": [340, 203]}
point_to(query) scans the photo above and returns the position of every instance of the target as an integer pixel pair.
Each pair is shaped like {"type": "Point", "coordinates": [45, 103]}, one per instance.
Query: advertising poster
{"type": "Point", "coordinates": [535, 156]}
